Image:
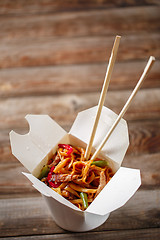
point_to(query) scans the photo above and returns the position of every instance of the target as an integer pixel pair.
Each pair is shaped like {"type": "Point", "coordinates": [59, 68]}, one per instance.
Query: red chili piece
{"type": "Point", "coordinates": [52, 184]}
{"type": "Point", "coordinates": [66, 146]}
{"type": "Point", "coordinates": [50, 173]}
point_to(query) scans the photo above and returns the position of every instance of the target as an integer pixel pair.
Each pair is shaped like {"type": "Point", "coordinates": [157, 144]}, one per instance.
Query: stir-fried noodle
{"type": "Point", "coordinates": [70, 175]}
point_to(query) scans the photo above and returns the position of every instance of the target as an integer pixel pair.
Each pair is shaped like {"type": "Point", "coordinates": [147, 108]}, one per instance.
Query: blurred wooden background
{"type": "Point", "coordinates": [53, 59]}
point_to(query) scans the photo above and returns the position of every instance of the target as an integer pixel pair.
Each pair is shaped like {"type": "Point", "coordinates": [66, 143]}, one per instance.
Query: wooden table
{"type": "Point", "coordinates": [53, 58]}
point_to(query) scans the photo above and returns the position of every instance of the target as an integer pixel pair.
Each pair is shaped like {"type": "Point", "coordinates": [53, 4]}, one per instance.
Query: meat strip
{"type": "Point", "coordinates": [102, 183]}
{"type": "Point", "coordinates": [56, 160]}
{"type": "Point", "coordinates": [63, 177]}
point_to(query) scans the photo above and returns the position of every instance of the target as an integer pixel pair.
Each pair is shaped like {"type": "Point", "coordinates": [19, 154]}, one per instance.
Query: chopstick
{"type": "Point", "coordinates": [143, 76]}
{"type": "Point", "coordinates": [103, 94]}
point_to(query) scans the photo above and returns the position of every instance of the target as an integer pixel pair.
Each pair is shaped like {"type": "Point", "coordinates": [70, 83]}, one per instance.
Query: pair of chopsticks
{"type": "Point", "coordinates": [102, 98]}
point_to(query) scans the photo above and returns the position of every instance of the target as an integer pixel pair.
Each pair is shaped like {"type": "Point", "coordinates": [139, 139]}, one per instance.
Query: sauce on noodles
{"type": "Point", "coordinates": [70, 175]}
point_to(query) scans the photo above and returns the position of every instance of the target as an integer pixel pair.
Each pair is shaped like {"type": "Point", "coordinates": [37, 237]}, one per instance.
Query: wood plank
{"type": "Point", "coordinates": [32, 6]}
{"type": "Point", "coordinates": [43, 52]}
{"type": "Point", "coordinates": [84, 23]}
{"type": "Point", "coordinates": [12, 180]}
{"type": "Point", "coordinates": [29, 216]}
{"type": "Point", "coordinates": [64, 108]}
{"type": "Point", "coordinates": [144, 137]}
{"type": "Point", "coordinates": [74, 79]}
{"type": "Point", "coordinates": [149, 167]}
{"type": "Point", "coordinates": [112, 235]}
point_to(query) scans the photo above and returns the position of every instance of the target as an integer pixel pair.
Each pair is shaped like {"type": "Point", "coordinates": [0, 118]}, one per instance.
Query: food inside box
{"type": "Point", "coordinates": [68, 173]}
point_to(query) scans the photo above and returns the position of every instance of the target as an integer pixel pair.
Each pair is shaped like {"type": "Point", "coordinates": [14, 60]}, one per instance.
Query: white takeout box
{"type": "Point", "coordinates": [35, 148]}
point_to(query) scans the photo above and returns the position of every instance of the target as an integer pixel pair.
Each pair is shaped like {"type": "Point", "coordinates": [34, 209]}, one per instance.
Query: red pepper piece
{"type": "Point", "coordinates": [54, 185]}
{"type": "Point", "coordinates": [50, 173]}
{"type": "Point", "coordinates": [66, 146]}
{"type": "Point", "coordinates": [51, 183]}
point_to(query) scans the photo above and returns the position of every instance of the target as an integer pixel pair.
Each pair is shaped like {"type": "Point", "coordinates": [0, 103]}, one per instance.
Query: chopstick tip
{"type": "Point", "coordinates": [152, 58]}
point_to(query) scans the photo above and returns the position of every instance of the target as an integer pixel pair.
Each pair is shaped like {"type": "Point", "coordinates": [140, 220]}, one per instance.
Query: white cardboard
{"type": "Point", "coordinates": [122, 186]}
{"type": "Point", "coordinates": [116, 146]}
{"type": "Point", "coordinates": [45, 190]}
{"type": "Point", "coordinates": [33, 149]}
{"type": "Point", "coordinates": [117, 192]}
{"type": "Point", "coordinates": [30, 149]}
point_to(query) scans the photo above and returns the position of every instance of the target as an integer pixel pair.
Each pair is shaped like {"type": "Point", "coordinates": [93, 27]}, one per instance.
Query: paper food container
{"type": "Point", "coordinates": [35, 148]}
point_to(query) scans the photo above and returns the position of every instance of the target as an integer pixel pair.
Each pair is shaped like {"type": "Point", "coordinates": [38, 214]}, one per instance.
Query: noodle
{"type": "Point", "coordinates": [70, 175]}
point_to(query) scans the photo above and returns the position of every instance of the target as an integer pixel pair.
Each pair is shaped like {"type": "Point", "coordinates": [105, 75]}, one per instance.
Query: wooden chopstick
{"type": "Point", "coordinates": [143, 76]}
{"type": "Point", "coordinates": [103, 94]}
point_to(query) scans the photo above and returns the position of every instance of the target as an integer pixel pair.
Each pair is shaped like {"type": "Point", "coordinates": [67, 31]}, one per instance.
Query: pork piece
{"type": "Point", "coordinates": [56, 160]}
{"type": "Point", "coordinates": [102, 183]}
{"type": "Point", "coordinates": [63, 177]}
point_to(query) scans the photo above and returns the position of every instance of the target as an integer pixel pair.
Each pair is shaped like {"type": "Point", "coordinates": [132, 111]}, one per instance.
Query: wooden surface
{"type": "Point", "coordinates": [53, 59]}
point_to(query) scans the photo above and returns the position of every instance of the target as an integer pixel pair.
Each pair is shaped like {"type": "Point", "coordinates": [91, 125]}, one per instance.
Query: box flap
{"type": "Point", "coordinates": [116, 146]}
{"type": "Point", "coordinates": [47, 191]}
{"type": "Point", "coordinates": [32, 147]}
{"type": "Point", "coordinates": [117, 192]}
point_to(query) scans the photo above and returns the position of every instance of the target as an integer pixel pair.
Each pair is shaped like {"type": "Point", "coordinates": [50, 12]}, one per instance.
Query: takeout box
{"type": "Point", "coordinates": [35, 148]}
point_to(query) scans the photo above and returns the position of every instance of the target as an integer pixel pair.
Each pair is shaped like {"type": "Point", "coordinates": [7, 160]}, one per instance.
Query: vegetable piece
{"type": "Point", "coordinates": [50, 174]}
{"type": "Point", "coordinates": [66, 146]}
{"type": "Point", "coordinates": [100, 163]}
{"type": "Point", "coordinates": [49, 177]}
{"type": "Point", "coordinates": [54, 185]}
{"type": "Point", "coordinates": [84, 199]}
{"type": "Point", "coordinates": [44, 172]}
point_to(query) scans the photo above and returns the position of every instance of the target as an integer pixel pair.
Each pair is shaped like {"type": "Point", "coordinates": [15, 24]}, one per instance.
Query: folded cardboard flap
{"type": "Point", "coordinates": [30, 149]}
{"type": "Point", "coordinates": [41, 191]}
{"type": "Point", "coordinates": [47, 191]}
{"type": "Point", "coordinates": [116, 146]}
{"type": "Point", "coordinates": [117, 192]}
